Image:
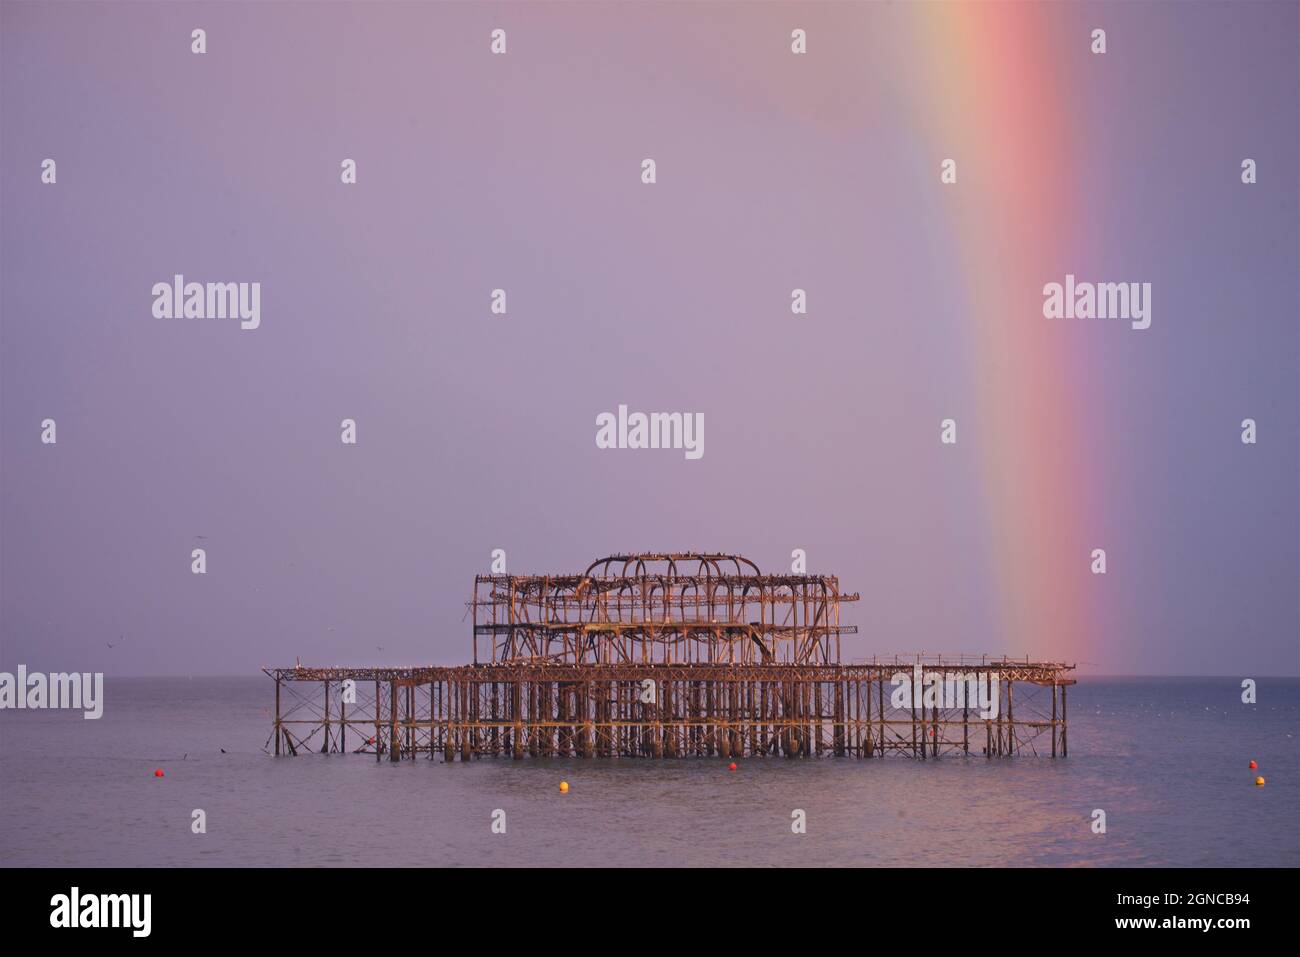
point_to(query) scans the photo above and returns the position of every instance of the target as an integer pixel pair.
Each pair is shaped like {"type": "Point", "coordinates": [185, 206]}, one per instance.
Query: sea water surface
{"type": "Point", "coordinates": [1165, 758]}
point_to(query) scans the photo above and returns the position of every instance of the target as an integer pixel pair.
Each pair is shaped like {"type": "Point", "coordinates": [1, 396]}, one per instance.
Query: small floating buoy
{"type": "Point", "coordinates": [372, 740]}
{"type": "Point", "coordinates": [158, 772]}
{"type": "Point", "coordinates": [731, 766]}
{"type": "Point", "coordinates": [1259, 782]}
{"type": "Point", "coordinates": [1253, 765]}
{"type": "Point", "coordinates": [564, 786]}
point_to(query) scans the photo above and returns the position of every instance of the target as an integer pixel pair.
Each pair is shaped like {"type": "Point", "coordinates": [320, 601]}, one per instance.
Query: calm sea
{"type": "Point", "coordinates": [1165, 758]}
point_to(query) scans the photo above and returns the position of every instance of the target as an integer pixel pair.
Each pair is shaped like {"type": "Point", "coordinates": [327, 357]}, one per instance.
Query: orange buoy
{"type": "Point", "coordinates": [564, 787]}
{"type": "Point", "coordinates": [731, 766]}
{"type": "Point", "coordinates": [157, 772]}
{"type": "Point", "coordinates": [1259, 782]}
{"type": "Point", "coordinates": [1253, 765]}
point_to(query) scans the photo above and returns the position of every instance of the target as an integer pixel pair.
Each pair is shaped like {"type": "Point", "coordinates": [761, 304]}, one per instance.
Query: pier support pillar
{"type": "Point", "coordinates": [394, 745]}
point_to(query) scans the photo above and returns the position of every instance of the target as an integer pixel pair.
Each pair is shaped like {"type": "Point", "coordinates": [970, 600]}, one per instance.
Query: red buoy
{"type": "Point", "coordinates": [731, 766]}
{"type": "Point", "coordinates": [1253, 765]}
{"type": "Point", "coordinates": [157, 772]}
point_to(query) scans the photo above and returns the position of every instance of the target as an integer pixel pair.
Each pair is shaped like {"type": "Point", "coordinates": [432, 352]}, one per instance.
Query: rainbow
{"type": "Point", "coordinates": [992, 86]}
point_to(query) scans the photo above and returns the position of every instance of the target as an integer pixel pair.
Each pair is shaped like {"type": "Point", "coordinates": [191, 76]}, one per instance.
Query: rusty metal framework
{"type": "Point", "coordinates": [659, 609]}
{"type": "Point", "coordinates": [661, 655]}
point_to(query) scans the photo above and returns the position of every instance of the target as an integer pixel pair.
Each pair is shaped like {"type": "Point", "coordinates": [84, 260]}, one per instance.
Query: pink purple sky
{"type": "Point", "coordinates": [522, 171]}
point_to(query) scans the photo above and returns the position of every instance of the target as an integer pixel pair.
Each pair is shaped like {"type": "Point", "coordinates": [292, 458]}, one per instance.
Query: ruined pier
{"type": "Point", "coordinates": [684, 655]}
